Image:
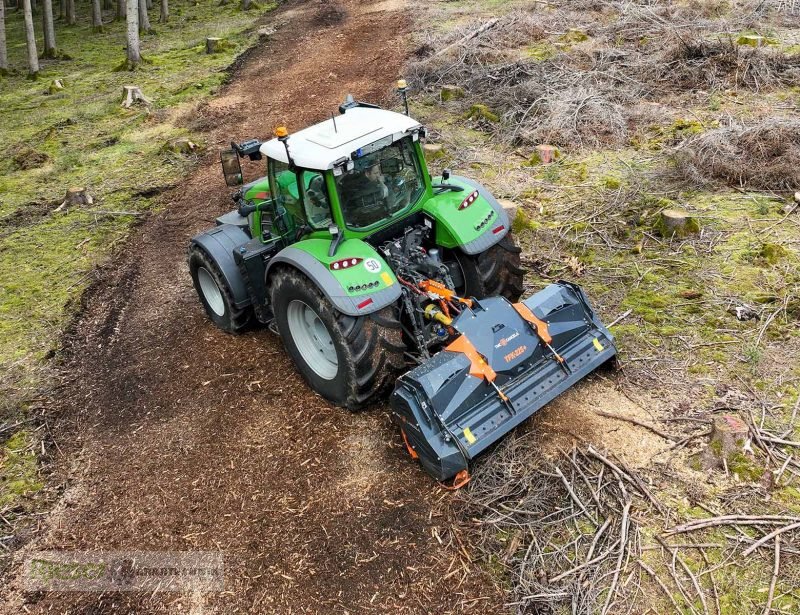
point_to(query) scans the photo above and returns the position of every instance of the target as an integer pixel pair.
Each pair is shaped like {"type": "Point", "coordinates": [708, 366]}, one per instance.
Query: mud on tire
{"type": "Point", "coordinates": [220, 309]}
{"type": "Point", "coordinates": [495, 272]}
{"type": "Point", "coordinates": [369, 349]}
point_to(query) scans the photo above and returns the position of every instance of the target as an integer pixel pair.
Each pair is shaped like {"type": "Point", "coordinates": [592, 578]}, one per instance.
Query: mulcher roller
{"type": "Point", "coordinates": [508, 362]}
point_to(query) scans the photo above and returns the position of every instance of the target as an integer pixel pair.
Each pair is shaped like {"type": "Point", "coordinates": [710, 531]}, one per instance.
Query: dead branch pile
{"type": "Point", "coordinates": [572, 77]}
{"type": "Point", "coordinates": [763, 156]}
{"type": "Point", "coordinates": [565, 529]}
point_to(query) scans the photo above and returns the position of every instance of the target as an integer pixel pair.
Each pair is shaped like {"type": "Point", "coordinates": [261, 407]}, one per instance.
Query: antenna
{"type": "Point", "coordinates": [333, 117]}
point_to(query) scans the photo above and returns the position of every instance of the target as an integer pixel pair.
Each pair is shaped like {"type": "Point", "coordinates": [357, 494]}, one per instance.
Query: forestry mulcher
{"type": "Point", "coordinates": [377, 275]}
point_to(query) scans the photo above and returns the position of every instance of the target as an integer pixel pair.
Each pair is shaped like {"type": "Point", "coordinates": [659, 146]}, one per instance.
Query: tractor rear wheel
{"type": "Point", "coordinates": [215, 294]}
{"type": "Point", "coordinates": [349, 360]}
{"type": "Point", "coordinates": [495, 272]}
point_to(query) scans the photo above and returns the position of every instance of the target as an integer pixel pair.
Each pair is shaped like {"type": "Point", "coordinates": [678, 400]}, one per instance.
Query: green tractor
{"type": "Point", "coordinates": [376, 275]}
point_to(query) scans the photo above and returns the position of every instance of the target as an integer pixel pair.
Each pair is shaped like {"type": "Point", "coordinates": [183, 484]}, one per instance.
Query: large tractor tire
{"type": "Point", "coordinates": [215, 294]}
{"type": "Point", "coordinates": [493, 273]}
{"type": "Point", "coordinates": [349, 360]}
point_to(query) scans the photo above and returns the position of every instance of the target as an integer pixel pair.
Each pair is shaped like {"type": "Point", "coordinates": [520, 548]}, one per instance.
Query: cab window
{"type": "Point", "coordinates": [315, 200]}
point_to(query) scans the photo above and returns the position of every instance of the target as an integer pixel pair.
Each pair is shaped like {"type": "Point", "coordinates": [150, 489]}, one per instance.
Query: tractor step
{"type": "Point", "coordinates": [508, 362]}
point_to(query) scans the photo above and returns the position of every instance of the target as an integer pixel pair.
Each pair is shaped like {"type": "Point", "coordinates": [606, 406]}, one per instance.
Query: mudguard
{"type": "Point", "coordinates": [497, 374]}
{"type": "Point", "coordinates": [356, 284]}
{"type": "Point", "coordinates": [475, 228]}
{"type": "Point", "coordinates": [220, 242]}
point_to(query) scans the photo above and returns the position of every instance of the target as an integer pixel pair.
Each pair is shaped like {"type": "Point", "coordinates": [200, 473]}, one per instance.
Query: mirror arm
{"type": "Point", "coordinates": [337, 239]}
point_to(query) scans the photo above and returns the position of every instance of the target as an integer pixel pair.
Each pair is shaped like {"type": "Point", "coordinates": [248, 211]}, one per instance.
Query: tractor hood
{"type": "Point", "coordinates": [471, 219]}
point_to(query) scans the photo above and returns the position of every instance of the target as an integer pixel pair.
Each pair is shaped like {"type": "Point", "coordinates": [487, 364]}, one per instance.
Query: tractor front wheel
{"type": "Point", "coordinates": [349, 360]}
{"type": "Point", "coordinates": [493, 273]}
{"type": "Point", "coordinates": [215, 294]}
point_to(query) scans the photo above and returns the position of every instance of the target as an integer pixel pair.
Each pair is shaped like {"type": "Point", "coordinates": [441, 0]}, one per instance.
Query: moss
{"type": "Point", "coordinates": [19, 477]}
{"type": "Point", "coordinates": [541, 51]}
{"type": "Point", "coordinates": [610, 182]}
{"type": "Point", "coordinates": [523, 222]}
{"type": "Point", "coordinates": [451, 92]}
{"type": "Point", "coordinates": [481, 112]}
{"type": "Point", "coordinates": [772, 252]}
{"type": "Point", "coordinates": [573, 35]}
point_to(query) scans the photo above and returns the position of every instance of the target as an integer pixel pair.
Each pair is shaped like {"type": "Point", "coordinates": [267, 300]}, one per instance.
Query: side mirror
{"type": "Point", "coordinates": [391, 166]}
{"type": "Point", "coordinates": [231, 167]}
{"type": "Point", "coordinates": [445, 175]}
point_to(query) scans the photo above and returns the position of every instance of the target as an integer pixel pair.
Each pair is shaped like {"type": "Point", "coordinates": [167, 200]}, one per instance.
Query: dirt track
{"type": "Point", "coordinates": [173, 436]}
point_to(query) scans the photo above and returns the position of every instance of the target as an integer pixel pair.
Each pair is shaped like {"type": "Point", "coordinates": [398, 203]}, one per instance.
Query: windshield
{"type": "Point", "coordinates": [381, 184]}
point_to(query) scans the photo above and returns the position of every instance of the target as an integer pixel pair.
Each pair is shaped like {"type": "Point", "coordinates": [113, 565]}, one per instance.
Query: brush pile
{"type": "Point", "coordinates": [574, 75]}
{"type": "Point", "coordinates": [764, 156]}
{"type": "Point", "coordinates": [565, 530]}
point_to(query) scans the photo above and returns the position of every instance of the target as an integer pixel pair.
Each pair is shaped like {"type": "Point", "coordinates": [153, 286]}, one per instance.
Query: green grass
{"type": "Point", "coordinates": [89, 140]}
{"type": "Point", "coordinates": [81, 136]}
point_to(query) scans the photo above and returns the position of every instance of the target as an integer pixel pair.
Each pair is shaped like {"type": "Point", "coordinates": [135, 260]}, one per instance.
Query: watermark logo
{"type": "Point", "coordinates": [102, 571]}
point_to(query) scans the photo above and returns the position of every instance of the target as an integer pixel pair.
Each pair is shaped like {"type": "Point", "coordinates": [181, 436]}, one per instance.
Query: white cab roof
{"type": "Point", "coordinates": [320, 145]}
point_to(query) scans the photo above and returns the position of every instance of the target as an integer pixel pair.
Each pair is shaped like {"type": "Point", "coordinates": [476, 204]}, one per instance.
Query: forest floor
{"type": "Point", "coordinates": [166, 435]}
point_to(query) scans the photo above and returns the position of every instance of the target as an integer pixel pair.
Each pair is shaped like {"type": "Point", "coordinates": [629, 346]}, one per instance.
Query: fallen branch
{"type": "Point", "coordinates": [489, 24]}
{"type": "Point", "coordinates": [773, 534]}
{"type": "Point", "coordinates": [775, 572]}
{"type": "Point", "coordinates": [731, 520]}
{"type": "Point", "coordinates": [652, 428]}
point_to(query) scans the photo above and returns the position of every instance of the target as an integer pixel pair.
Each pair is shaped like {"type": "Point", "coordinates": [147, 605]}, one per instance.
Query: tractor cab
{"type": "Point", "coordinates": [346, 176]}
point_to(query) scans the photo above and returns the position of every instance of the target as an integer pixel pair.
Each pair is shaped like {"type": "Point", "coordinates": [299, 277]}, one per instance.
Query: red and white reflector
{"type": "Point", "coordinates": [498, 229]}
{"type": "Point", "coordinates": [345, 263]}
{"type": "Point", "coordinates": [469, 200]}
{"type": "Point", "coordinates": [364, 303]}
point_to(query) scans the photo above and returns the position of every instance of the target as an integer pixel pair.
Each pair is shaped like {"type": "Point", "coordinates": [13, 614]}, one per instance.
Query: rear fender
{"type": "Point", "coordinates": [219, 243]}
{"type": "Point", "coordinates": [355, 290]}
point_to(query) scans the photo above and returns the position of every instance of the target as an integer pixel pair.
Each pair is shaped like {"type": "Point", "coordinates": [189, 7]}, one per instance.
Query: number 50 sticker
{"type": "Point", "coordinates": [373, 265]}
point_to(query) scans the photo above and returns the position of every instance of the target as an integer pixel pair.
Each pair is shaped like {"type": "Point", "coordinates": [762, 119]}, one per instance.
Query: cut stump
{"type": "Point", "coordinates": [544, 154]}
{"type": "Point", "coordinates": [451, 92]}
{"type": "Point", "coordinates": [433, 151]}
{"type": "Point", "coordinates": [75, 196]}
{"type": "Point", "coordinates": [728, 437]}
{"type": "Point", "coordinates": [215, 44]}
{"type": "Point", "coordinates": [676, 222]}
{"type": "Point", "coordinates": [132, 94]}
{"type": "Point", "coordinates": [55, 86]}
{"type": "Point", "coordinates": [181, 145]}
{"type": "Point", "coordinates": [510, 207]}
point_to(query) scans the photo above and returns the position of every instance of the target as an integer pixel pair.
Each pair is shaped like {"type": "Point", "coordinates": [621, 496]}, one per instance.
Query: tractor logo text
{"type": "Point", "coordinates": [506, 340]}
{"type": "Point", "coordinates": [515, 353]}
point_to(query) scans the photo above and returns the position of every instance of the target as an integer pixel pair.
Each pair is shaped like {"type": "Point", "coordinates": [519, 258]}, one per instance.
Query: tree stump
{"type": "Point", "coordinates": [181, 145]}
{"type": "Point", "coordinates": [133, 94]}
{"type": "Point", "coordinates": [451, 92]}
{"type": "Point", "coordinates": [676, 223]}
{"type": "Point", "coordinates": [75, 196]}
{"type": "Point", "coordinates": [56, 86]}
{"type": "Point", "coordinates": [215, 44]}
{"type": "Point", "coordinates": [433, 151]}
{"type": "Point", "coordinates": [728, 436]}
{"type": "Point", "coordinates": [751, 40]}
{"type": "Point", "coordinates": [510, 207]}
{"type": "Point", "coordinates": [544, 154]}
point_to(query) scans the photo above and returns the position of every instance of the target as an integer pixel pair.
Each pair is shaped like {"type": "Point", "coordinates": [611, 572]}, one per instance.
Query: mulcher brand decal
{"type": "Point", "coordinates": [515, 353]}
{"type": "Point", "coordinates": [506, 340]}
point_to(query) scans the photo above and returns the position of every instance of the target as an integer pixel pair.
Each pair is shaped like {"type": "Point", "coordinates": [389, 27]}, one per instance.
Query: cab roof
{"type": "Point", "coordinates": [322, 145]}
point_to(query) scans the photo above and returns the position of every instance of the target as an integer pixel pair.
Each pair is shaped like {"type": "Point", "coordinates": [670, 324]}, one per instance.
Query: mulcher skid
{"type": "Point", "coordinates": [508, 362]}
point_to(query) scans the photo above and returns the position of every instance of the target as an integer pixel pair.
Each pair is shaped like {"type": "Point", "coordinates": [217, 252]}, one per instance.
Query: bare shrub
{"type": "Point", "coordinates": [764, 156]}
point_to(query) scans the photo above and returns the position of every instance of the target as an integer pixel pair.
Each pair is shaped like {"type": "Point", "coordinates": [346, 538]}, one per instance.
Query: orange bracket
{"type": "Point", "coordinates": [440, 290]}
{"type": "Point", "coordinates": [461, 479]}
{"type": "Point", "coordinates": [538, 324]}
{"type": "Point", "coordinates": [478, 366]}
{"type": "Point", "coordinates": [411, 451]}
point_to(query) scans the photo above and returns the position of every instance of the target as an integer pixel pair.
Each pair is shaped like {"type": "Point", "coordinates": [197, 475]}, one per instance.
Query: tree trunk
{"type": "Point", "coordinates": [246, 5]}
{"type": "Point", "coordinates": [149, 4]}
{"type": "Point", "coordinates": [97, 16]}
{"type": "Point", "coordinates": [164, 17]}
{"type": "Point", "coordinates": [49, 30]}
{"type": "Point", "coordinates": [108, 5]}
{"type": "Point", "coordinates": [144, 18]}
{"type": "Point", "coordinates": [72, 18]}
{"type": "Point", "coordinates": [134, 56]}
{"type": "Point", "coordinates": [3, 50]}
{"type": "Point", "coordinates": [120, 10]}
{"type": "Point", "coordinates": [30, 37]}
{"type": "Point", "coordinates": [62, 10]}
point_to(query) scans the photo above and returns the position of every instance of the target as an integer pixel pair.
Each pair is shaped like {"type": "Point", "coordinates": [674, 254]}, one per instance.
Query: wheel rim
{"type": "Point", "coordinates": [211, 292]}
{"type": "Point", "coordinates": [313, 340]}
